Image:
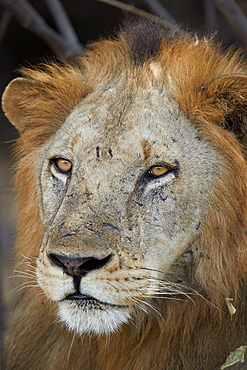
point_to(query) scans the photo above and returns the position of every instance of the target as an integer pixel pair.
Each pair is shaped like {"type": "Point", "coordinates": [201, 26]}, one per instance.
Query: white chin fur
{"type": "Point", "coordinates": [92, 319]}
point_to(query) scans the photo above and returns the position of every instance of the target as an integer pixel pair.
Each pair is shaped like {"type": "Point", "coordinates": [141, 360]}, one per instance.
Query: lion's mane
{"type": "Point", "coordinates": [210, 86]}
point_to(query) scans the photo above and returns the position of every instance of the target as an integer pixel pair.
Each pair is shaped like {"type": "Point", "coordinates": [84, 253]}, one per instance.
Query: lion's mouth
{"type": "Point", "coordinates": [79, 297]}
{"type": "Point", "coordinates": [86, 300]}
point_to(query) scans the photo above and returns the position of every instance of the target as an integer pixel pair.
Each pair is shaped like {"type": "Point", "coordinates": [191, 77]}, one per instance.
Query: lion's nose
{"type": "Point", "coordinates": [78, 266]}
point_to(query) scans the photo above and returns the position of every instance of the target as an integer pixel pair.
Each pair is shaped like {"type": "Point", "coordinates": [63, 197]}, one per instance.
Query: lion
{"type": "Point", "coordinates": [132, 226]}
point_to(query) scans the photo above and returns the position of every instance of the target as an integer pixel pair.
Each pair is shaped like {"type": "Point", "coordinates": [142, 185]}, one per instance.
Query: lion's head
{"type": "Point", "coordinates": [132, 179]}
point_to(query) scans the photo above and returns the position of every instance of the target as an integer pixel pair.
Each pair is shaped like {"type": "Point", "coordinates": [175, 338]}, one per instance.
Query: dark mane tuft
{"type": "Point", "coordinates": [144, 38]}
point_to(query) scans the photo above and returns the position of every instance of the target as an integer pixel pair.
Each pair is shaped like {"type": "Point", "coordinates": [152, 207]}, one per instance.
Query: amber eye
{"type": "Point", "coordinates": [62, 165]}
{"type": "Point", "coordinates": [156, 171]}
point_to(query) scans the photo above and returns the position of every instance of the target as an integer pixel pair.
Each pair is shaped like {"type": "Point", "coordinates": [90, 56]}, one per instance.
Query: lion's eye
{"type": "Point", "coordinates": [62, 165]}
{"type": "Point", "coordinates": [156, 171]}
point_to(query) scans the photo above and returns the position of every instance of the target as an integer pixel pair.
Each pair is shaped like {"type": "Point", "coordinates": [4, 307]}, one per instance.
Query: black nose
{"type": "Point", "coordinates": [78, 266]}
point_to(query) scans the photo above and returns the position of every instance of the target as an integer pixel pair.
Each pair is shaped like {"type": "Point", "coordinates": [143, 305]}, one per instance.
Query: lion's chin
{"type": "Point", "coordinates": [92, 316]}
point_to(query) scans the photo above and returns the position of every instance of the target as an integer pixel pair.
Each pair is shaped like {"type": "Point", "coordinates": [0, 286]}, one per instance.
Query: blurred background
{"type": "Point", "coordinates": [36, 30]}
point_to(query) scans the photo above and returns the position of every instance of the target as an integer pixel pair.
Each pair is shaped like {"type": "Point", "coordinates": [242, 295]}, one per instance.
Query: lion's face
{"type": "Point", "coordinates": [124, 190]}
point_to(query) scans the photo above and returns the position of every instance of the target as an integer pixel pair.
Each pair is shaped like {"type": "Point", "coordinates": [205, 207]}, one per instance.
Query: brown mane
{"type": "Point", "coordinates": [210, 87]}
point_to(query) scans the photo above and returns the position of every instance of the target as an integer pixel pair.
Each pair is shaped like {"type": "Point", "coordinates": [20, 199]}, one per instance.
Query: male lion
{"type": "Point", "coordinates": [132, 228]}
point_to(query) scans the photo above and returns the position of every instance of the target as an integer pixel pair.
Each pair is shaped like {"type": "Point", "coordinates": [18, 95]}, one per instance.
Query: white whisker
{"type": "Point", "coordinates": [71, 345]}
{"type": "Point", "coordinates": [29, 258]}
{"type": "Point", "coordinates": [24, 274]}
{"type": "Point", "coordinates": [41, 296]}
{"type": "Point", "coordinates": [153, 308]}
{"type": "Point", "coordinates": [26, 286]}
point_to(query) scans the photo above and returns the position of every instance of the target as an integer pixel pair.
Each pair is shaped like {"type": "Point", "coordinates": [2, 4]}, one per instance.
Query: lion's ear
{"type": "Point", "coordinates": [229, 94]}
{"type": "Point", "coordinates": [19, 101]}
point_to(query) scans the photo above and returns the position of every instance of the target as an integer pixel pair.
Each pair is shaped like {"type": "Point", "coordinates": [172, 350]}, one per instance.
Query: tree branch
{"type": "Point", "coordinates": [210, 15]}
{"type": "Point", "coordinates": [234, 16]}
{"type": "Point", "coordinates": [4, 22]}
{"type": "Point", "coordinates": [29, 18]}
{"type": "Point", "coordinates": [159, 10]}
{"type": "Point", "coordinates": [134, 10]}
{"type": "Point", "coordinates": [63, 22]}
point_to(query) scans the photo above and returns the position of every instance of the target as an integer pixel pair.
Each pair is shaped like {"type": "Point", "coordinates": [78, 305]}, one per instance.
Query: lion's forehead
{"type": "Point", "coordinates": [147, 125]}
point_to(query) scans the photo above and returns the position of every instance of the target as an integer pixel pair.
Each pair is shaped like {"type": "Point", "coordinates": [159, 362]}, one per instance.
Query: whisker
{"type": "Point", "coordinates": [27, 282]}
{"type": "Point", "coordinates": [24, 273]}
{"type": "Point", "coordinates": [41, 296]}
{"type": "Point", "coordinates": [27, 286]}
{"type": "Point", "coordinates": [29, 278]}
{"type": "Point", "coordinates": [25, 263]}
{"type": "Point", "coordinates": [160, 288]}
{"type": "Point", "coordinates": [172, 285]}
{"type": "Point", "coordinates": [71, 345]}
{"type": "Point", "coordinates": [25, 266]}
{"type": "Point", "coordinates": [31, 258]}
{"type": "Point", "coordinates": [138, 304]}
{"type": "Point", "coordinates": [154, 270]}
{"type": "Point", "coordinates": [57, 320]}
{"type": "Point", "coordinates": [168, 298]}
{"type": "Point", "coordinates": [153, 308]}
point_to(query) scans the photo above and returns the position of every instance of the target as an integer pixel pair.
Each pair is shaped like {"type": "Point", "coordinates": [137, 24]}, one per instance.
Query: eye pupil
{"type": "Point", "coordinates": [62, 165]}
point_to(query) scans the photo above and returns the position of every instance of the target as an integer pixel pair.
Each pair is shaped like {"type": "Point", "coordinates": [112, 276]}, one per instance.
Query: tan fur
{"type": "Point", "coordinates": [210, 88]}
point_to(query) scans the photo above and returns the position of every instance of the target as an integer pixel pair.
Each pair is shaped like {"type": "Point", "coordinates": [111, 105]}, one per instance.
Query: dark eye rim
{"type": "Point", "coordinates": [149, 176]}
{"type": "Point", "coordinates": [53, 162]}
